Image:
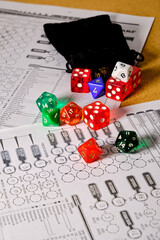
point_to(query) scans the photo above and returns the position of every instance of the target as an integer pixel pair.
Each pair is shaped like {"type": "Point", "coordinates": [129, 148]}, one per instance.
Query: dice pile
{"type": "Point", "coordinates": [96, 115]}
{"type": "Point", "coordinates": [124, 79]}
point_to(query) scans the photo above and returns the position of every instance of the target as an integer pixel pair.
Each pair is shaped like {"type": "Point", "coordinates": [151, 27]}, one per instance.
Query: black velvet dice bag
{"type": "Point", "coordinates": [93, 43]}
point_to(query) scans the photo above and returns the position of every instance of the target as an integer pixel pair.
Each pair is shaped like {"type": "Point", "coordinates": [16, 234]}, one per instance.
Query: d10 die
{"type": "Point", "coordinates": [127, 141]}
{"type": "Point", "coordinates": [96, 87]}
{"type": "Point", "coordinates": [96, 115]}
{"type": "Point", "coordinates": [90, 150]}
{"type": "Point", "coordinates": [103, 72]}
{"type": "Point", "coordinates": [71, 113]}
{"type": "Point", "coordinates": [122, 71]}
{"type": "Point", "coordinates": [118, 90]}
{"type": "Point", "coordinates": [136, 77]}
{"type": "Point", "coordinates": [46, 100]}
{"type": "Point", "coordinates": [79, 80]}
{"type": "Point", "coordinates": [50, 117]}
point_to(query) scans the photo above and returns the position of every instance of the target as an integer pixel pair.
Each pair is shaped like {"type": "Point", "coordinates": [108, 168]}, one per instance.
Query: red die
{"type": "Point", "coordinates": [136, 77]}
{"type": "Point", "coordinates": [90, 150]}
{"type": "Point", "coordinates": [71, 113]}
{"type": "Point", "coordinates": [79, 80]}
{"type": "Point", "coordinates": [117, 89]}
{"type": "Point", "coordinates": [96, 115]}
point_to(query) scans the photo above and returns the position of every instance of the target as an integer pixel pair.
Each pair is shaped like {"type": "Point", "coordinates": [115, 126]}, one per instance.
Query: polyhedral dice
{"type": "Point", "coordinates": [136, 77]}
{"type": "Point", "coordinates": [96, 115]}
{"type": "Point", "coordinates": [122, 71]}
{"type": "Point", "coordinates": [79, 80]}
{"type": "Point", "coordinates": [50, 117]}
{"type": "Point", "coordinates": [127, 141]}
{"type": "Point", "coordinates": [46, 100]}
{"type": "Point", "coordinates": [71, 113]}
{"type": "Point", "coordinates": [97, 87]}
{"type": "Point", "coordinates": [118, 90]}
{"type": "Point", "coordinates": [90, 150]}
{"type": "Point", "coordinates": [103, 72]}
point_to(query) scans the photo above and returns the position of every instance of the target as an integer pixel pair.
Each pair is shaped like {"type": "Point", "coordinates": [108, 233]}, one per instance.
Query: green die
{"type": "Point", "coordinates": [46, 100]}
{"type": "Point", "coordinates": [50, 117]}
{"type": "Point", "coordinates": [127, 141]}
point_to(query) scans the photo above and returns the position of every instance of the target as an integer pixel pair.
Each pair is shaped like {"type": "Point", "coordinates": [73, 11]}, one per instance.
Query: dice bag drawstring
{"type": "Point", "coordinates": [79, 60]}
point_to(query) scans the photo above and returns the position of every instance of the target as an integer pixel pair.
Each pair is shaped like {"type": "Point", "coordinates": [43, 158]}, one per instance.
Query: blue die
{"type": "Point", "coordinates": [97, 87]}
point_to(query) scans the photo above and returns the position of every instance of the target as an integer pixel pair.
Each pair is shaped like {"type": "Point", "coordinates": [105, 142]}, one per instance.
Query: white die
{"type": "Point", "coordinates": [122, 71]}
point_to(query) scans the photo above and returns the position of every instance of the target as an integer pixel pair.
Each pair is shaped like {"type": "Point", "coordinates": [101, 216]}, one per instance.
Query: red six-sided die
{"type": "Point", "coordinates": [79, 80]}
{"type": "Point", "coordinates": [96, 115]}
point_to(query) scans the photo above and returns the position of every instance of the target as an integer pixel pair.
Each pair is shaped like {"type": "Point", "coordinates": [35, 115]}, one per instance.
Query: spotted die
{"type": "Point", "coordinates": [117, 89]}
{"type": "Point", "coordinates": [96, 115]}
{"type": "Point", "coordinates": [79, 80]}
{"type": "Point", "coordinates": [136, 77]}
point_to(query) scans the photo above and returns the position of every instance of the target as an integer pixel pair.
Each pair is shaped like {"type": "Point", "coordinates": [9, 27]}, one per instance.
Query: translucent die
{"type": "Point", "coordinates": [90, 150]}
{"type": "Point", "coordinates": [96, 115]}
{"type": "Point", "coordinates": [127, 141]}
{"type": "Point", "coordinates": [79, 80]}
{"type": "Point", "coordinates": [71, 113]}
{"type": "Point", "coordinates": [118, 90]}
{"type": "Point", "coordinates": [46, 100]}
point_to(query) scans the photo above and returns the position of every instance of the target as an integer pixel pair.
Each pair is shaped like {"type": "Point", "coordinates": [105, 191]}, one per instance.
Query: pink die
{"type": "Point", "coordinates": [96, 115]}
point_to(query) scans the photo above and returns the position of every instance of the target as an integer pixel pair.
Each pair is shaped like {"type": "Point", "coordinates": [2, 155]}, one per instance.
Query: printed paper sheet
{"type": "Point", "coordinates": [48, 192]}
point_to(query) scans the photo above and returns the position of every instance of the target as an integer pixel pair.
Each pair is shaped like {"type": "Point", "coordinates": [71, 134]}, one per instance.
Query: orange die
{"type": "Point", "coordinates": [71, 113]}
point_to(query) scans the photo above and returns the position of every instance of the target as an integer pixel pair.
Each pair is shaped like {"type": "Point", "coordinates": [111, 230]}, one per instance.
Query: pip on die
{"type": "Point", "coordinates": [96, 115]}
{"type": "Point", "coordinates": [79, 80]}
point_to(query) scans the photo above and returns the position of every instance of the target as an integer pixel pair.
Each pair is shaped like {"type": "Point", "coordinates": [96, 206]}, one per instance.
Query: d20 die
{"type": "Point", "coordinates": [90, 150]}
{"type": "Point", "coordinates": [136, 77]}
{"type": "Point", "coordinates": [96, 87]}
{"type": "Point", "coordinates": [96, 115]}
{"type": "Point", "coordinates": [79, 80]}
{"type": "Point", "coordinates": [118, 90]}
{"type": "Point", "coordinates": [50, 117]}
{"type": "Point", "coordinates": [71, 113]}
{"type": "Point", "coordinates": [122, 71]}
{"type": "Point", "coordinates": [127, 141]}
{"type": "Point", "coordinates": [46, 100]}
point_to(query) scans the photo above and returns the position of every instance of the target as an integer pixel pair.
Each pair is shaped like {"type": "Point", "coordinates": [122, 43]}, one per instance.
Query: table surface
{"type": "Point", "coordinates": [149, 90]}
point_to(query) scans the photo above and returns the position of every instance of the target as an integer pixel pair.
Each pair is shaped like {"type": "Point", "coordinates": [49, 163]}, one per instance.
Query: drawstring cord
{"type": "Point", "coordinates": [71, 62]}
